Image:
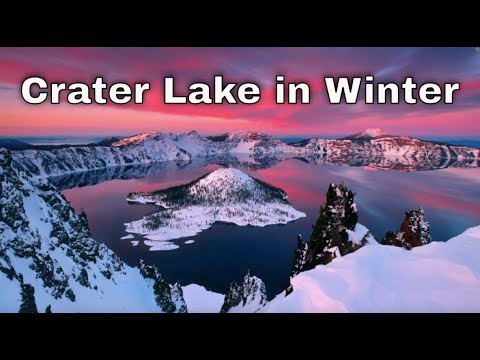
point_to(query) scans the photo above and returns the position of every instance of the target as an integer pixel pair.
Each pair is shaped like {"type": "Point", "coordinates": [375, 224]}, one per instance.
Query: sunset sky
{"type": "Point", "coordinates": [259, 65]}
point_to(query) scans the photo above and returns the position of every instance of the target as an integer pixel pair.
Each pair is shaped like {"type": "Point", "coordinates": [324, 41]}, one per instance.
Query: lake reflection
{"type": "Point", "coordinates": [225, 252]}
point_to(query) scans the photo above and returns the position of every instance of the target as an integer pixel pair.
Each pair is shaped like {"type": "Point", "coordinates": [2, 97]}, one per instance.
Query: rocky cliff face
{"type": "Point", "coordinates": [249, 296]}
{"type": "Point", "coordinates": [414, 231]}
{"type": "Point", "coordinates": [48, 261]}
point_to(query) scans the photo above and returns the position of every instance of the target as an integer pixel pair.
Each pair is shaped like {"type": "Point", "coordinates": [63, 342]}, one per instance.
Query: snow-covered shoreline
{"type": "Point", "coordinates": [192, 220]}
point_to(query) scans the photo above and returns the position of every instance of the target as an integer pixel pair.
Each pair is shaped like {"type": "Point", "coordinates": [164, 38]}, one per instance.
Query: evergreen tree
{"type": "Point", "coordinates": [329, 235]}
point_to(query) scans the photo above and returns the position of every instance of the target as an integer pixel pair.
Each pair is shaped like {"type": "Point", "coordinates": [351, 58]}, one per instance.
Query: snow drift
{"type": "Point", "coordinates": [438, 277]}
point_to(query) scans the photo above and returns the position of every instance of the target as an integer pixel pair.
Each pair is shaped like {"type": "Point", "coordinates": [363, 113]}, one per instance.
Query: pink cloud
{"type": "Point", "coordinates": [245, 64]}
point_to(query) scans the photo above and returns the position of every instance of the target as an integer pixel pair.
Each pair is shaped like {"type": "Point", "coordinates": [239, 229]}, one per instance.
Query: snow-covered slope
{"type": "Point", "coordinates": [437, 277]}
{"type": "Point", "coordinates": [195, 145]}
{"type": "Point", "coordinates": [342, 268]}
{"type": "Point", "coordinates": [49, 262]}
{"type": "Point", "coordinates": [226, 194]}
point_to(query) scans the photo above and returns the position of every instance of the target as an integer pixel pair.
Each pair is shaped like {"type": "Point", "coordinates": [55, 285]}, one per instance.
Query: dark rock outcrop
{"type": "Point", "coordinates": [414, 231]}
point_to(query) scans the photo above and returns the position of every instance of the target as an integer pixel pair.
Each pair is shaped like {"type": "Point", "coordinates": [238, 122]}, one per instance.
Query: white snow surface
{"type": "Point", "coordinates": [244, 147]}
{"type": "Point", "coordinates": [437, 277]}
{"type": "Point", "coordinates": [10, 300]}
{"type": "Point", "coordinates": [160, 245]}
{"type": "Point", "coordinates": [192, 220]}
{"type": "Point", "coordinates": [200, 300]}
{"type": "Point", "coordinates": [357, 235]}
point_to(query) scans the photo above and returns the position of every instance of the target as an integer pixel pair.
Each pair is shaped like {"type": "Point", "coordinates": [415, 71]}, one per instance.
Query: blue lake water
{"type": "Point", "coordinates": [224, 253]}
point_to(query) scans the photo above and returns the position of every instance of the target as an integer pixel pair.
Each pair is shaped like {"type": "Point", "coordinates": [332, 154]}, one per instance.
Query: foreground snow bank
{"type": "Point", "coordinates": [200, 300]}
{"type": "Point", "coordinates": [438, 277]}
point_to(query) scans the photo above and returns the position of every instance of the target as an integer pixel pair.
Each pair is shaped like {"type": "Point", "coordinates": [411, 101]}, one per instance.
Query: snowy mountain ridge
{"type": "Point", "coordinates": [226, 195]}
{"type": "Point", "coordinates": [155, 146]}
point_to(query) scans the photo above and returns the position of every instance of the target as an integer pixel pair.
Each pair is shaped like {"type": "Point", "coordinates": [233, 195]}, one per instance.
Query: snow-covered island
{"type": "Point", "coordinates": [224, 195]}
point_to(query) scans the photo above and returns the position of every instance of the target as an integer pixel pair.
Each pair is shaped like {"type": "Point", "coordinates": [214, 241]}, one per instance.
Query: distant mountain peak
{"type": "Point", "coordinates": [369, 133]}
{"type": "Point", "coordinates": [251, 135]}
{"type": "Point", "coordinates": [372, 132]}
